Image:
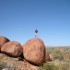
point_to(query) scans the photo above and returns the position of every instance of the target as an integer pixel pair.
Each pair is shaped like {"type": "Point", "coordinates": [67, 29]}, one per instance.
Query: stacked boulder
{"type": "Point", "coordinates": [34, 51]}
{"type": "Point", "coordinates": [3, 40]}
{"type": "Point", "coordinates": [12, 48]}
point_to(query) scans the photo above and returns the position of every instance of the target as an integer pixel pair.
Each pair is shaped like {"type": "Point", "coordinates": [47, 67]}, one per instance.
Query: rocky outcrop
{"type": "Point", "coordinates": [12, 48]}
{"type": "Point", "coordinates": [3, 40]}
{"type": "Point", "coordinates": [28, 56]}
{"type": "Point", "coordinates": [34, 51]}
{"type": "Point", "coordinates": [11, 63]}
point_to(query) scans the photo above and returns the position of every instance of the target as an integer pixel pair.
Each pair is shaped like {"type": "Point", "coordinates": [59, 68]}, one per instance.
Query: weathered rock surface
{"type": "Point", "coordinates": [12, 48]}
{"type": "Point", "coordinates": [34, 51]}
{"type": "Point", "coordinates": [10, 63]}
{"type": "Point", "coordinates": [47, 57]}
{"type": "Point", "coordinates": [3, 40]}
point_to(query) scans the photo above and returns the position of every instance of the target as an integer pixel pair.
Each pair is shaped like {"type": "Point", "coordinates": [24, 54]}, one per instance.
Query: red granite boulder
{"type": "Point", "coordinates": [3, 40]}
{"type": "Point", "coordinates": [34, 51]}
{"type": "Point", "coordinates": [12, 48]}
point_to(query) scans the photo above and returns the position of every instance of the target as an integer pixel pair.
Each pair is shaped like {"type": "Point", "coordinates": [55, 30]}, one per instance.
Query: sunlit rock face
{"type": "Point", "coordinates": [34, 51]}
{"type": "Point", "coordinates": [12, 48]}
{"type": "Point", "coordinates": [3, 40]}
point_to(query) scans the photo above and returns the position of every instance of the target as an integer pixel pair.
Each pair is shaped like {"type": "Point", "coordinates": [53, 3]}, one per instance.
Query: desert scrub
{"type": "Point", "coordinates": [2, 64]}
{"type": "Point", "coordinates": [64, 66]}
{"type": "Point", "coordinates": [55, 65]}
{"type": "Point", "coordinates": [48, 66]}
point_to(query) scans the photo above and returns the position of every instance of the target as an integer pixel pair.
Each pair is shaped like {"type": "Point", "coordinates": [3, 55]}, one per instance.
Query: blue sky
{"type": "Point", "coordinates": [19, 19]}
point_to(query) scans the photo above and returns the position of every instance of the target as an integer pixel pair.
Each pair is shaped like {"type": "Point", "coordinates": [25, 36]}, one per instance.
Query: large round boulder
{"type": "Point", "coordinates": [3, 40]}
{"type": "Point", "coordinates": [34, 51]}
{"type": "Point", "coordinates": [12, 48]}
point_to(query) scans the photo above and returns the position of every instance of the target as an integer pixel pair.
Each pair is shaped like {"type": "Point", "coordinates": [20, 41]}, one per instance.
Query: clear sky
{"type": "Point", "coordinates": [19, 19]}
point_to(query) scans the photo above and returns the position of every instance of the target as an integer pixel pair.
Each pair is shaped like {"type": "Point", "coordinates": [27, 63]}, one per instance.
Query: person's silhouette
{"type": "Point", "coordinates": [36, 33]}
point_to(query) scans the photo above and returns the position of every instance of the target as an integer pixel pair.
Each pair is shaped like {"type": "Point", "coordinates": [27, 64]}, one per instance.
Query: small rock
{"type": "Point", "coordinates": [5, 69]}
{"type": "Point", "coordinates": [47, 57]}
{"type": "Point", "coordinates": [8, 69]}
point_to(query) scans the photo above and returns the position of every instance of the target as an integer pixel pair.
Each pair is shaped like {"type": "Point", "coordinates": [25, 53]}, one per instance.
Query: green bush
{"type": "Point", "coordinates": [47, 66]}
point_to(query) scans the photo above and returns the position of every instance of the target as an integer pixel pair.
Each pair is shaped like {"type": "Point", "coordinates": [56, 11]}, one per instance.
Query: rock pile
{"type": "Point", "coordinates": [33, 50]}
{"type": "Point", "coordinates": [9, 63]}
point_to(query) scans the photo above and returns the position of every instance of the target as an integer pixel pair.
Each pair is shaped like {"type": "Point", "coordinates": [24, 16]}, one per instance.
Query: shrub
{"type": "Point", "coordinates": [48, 66]}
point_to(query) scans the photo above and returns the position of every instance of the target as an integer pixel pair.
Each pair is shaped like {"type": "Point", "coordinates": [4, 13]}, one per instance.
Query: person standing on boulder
{"type": "Point", "coordinates": [36, 33]}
